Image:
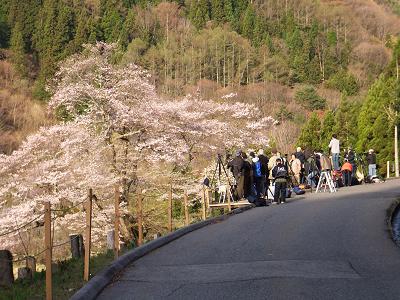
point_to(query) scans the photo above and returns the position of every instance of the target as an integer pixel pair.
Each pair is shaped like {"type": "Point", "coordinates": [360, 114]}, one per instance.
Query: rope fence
{"type": "Point", "coordinates": [81, 243]}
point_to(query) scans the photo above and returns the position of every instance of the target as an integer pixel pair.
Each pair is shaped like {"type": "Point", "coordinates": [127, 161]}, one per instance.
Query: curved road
{"type": "Point", "coordinates": [325, 246]}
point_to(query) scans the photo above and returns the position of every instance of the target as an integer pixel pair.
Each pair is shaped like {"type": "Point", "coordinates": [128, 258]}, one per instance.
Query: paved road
{"type": "Point", "coordinates": [325, 246]}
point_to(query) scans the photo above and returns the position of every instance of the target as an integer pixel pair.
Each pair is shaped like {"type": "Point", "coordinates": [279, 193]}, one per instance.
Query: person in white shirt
{"type": "Point", "coordinates": [334, 145]}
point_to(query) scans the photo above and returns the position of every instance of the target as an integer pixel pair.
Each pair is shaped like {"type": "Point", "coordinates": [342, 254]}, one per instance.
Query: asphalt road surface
{"type": "Point", "coordinates": [324, 246]}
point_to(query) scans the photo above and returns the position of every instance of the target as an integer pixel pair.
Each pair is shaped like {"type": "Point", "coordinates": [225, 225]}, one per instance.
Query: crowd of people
{"type": "Point", "coordinates": [255, 173]}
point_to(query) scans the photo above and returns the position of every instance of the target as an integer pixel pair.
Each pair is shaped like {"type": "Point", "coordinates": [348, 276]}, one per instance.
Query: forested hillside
{"type": "Point", "coordinates": [134, 100]}
{"type": "Point", "coordinates": [288, 57]}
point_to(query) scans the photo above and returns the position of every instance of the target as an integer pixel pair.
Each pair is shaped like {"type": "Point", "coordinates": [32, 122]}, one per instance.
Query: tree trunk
{"type": "Point", "coordinates": [76, 241]}
{"type": "Point", "coordinates": [6, 268]}
{"type": "Point", "coordinates": [24, 273]}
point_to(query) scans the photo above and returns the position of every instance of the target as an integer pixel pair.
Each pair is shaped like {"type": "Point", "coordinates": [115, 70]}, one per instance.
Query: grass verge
{"type": "Point", "coordinates": [67, 279]}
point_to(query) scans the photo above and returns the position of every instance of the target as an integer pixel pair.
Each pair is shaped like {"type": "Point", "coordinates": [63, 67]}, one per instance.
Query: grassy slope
{"type": "Point", "coordinates": [67, 279]}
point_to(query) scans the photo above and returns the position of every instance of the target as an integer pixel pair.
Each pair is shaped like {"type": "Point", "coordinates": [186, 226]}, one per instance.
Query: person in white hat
{"type": "Point", "coordinates": [371, 160]}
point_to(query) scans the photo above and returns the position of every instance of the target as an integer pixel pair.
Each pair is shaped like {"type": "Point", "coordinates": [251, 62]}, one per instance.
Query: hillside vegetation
{"type": "Point", "coordinates": [145, 94]}
{"type": "Point", "coordinates": [265, 50]}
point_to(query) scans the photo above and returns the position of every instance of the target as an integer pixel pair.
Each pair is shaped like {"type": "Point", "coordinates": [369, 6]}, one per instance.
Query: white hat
{"type": "Point", "coordinates": [298, 149]}
{"type": "Point", "coordinates": [371, 150]}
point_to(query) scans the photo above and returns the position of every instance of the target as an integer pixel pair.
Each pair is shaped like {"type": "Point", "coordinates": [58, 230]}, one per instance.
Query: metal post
{"type": "Point", "coordinates": [47, 241]}
{"type": "Point", "coordinates": [86, 271]}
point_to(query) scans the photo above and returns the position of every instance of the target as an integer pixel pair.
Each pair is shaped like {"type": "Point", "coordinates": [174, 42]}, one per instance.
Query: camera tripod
{"type": "Point", "coordinates": [219, 168]}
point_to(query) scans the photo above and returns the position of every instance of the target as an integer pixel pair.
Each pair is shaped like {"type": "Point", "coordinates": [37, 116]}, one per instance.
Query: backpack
{"type": "Point", "coordinates": [298, 190]}
{"type": "Point", "coordinates": [257, 169]}
{"type": "Point", "coordinates": [281, 172]}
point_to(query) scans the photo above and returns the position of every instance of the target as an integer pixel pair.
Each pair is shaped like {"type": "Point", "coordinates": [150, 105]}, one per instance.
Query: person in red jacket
{"type": "Point", "coordinates": [347, 170]}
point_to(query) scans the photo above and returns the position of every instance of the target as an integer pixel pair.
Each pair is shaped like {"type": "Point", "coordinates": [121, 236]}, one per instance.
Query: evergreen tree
{"type": "Point", "coordinates": [309, 98]}
{"type": "Point", "coordinates": [26, 13]}
{"type": "Point", "coordinates": [310, 134]}
{"type": "Point", "coordinates": [200, 13]}
{"type": "Point", "coordinates": [4, 28]}
{"type": "Point", "coordinates": [128, 29]}
{"type": "Point", "coordinates": [229, 11]}
{"type": "Point", "coordinates": [374, 130]}
{"type": "Point", "coordinates": [43, 42]}
{"type": "Point", "coordinates": [18, 49]}
{"type": "Point", "coordinates": [240, 7]}
{"type": "Point", "coordinates": [248, 22]}
{"type": "Point", "coordinates": [259, 34]}
{"type": "Point", "coordinates": [346, 122]}
{"type": "Point", "coordinates": [328, 128]}
{"type": "Point", "coordinates": [94, 30]}
{"type": "Point", "coordinates": [82, 31]}
{"type": "Point", "coordinates": [344, 82]}
{"type": "Point", "coordinates": [111, 20]}
{"type": "Point", "coordinates": [217, 11]}
{"type": "Point", "coordinates": [64, 32]}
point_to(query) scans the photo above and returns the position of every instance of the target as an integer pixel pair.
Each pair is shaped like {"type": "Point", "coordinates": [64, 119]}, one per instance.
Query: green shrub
{"type": "Point", "coordinates": [309, 98]}
{"type": "Point", "coordinates": [344, 82]}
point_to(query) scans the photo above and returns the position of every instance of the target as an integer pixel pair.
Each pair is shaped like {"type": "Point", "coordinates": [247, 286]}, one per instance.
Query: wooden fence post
{"type": "Point", "coordinates": [88, 233]}
{"type": "Point", "coordinates": [203, 203]}
{"type": "Point", "coordinates": [47, 241]}
{"type": "Point", "coordinates": [185, 200]}
{"type": "Point", "coordinates": [228, 194]}
{"type": "Point", "coordinates": [140, 217]}
{"type": "Point", "coordinates": [207, 200]}
{"type": "Point", "coordinates": [116, 222]}
{"type": "Point", "coordinates": [170, 209]}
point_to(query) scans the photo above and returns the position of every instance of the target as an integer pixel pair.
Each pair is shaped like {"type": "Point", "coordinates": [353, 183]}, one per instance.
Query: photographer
{"type": "Point", "coordinates": [371, 160]}
{"type": "Point", "coordinates": [313, 168]}
{"type": "Point", "coordinates": [295, 167]}
{"type": "Point", "coordinates": [236, 166]}
{"type": "Point", "coordinates": [280, 174]}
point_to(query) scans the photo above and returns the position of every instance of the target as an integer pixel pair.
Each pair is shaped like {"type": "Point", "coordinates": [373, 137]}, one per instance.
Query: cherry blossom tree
{"type": "Point", "coordinates": [112, 122]}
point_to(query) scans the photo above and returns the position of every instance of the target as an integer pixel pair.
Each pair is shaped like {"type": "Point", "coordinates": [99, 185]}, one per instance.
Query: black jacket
{"type": "Point", "coordinates": [280, 171]}
{"type": "Point", "coordinates": [351, 157]}
{"type": "Point", "coordinates": [311, 166]}
{"type": "Point", "coordinates": [236, 166]}
{"type": "Point", "coordinates": [264, 164]}
{"type": "Point", "coordinates": [371, 158]}
{"type": "Point", "coordinates": [300, 155]}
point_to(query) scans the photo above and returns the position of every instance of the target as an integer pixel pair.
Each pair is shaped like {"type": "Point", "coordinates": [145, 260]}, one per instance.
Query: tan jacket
{"type": "Point", "coordinates": [295, 166]}
{"type": "Point", "coordinates": [325, 163]}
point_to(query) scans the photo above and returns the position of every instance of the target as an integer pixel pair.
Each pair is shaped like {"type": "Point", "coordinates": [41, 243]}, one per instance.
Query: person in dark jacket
{"type": "Point", "coordinates": [236, 166]}
{"type": "Point", "coordinates": [264, 170]}
{"type": "Point", "coordinates": [312, 170]}
{"type": "Point", "coordinates": [280, 175]}
{"type": "Point", "coordinates": [247, 177]}
{"type": "Point", "coordinates": [371, 160]}
{"type": "Point", "coordinates": [300, 155]}
{"type": "Point", "coordinates": [351, 158]}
